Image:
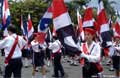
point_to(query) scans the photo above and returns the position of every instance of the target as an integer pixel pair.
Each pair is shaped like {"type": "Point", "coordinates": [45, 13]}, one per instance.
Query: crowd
{"type": "Point", "coordinates": [90, 56]}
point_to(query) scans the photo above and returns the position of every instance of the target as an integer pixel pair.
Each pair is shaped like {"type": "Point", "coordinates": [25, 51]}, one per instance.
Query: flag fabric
{"type": "Point", "coordinates": [24, 27]}
{"type": "Point", "coordinates": [96, 26]}
{"type": "Point", "coordinates": [43, 25]}
{"type": "Point", "coordinates": [80, 26]}
{"type": "Point", "coordinates": [30, 28]}
{"type": "Point", "coordinates": [5, 16]}
{"type": "Point", "coordinates": [117, 26]}
{"type": "Point", "coordinates": [45, 21]}
{"type": "Point", "coordinates": [49, 36]}
{"type": "Point", "coordinates": [41, 37]}
{"type": "Point", "coordinates": [63, 25]}
{"type": "Point", "coordinates": [103, 25]}
{"type": "Point", "coordinates": [88, 17]}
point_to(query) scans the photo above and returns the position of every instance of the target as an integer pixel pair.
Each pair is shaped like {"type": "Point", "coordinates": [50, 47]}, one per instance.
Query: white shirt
{"type": "Point", "coordinates": [7, 44]}
{"type": "Point", "coordinates": [35, 46]}
{"type": "Point", "coordinates": [55, 46]}
{"type": "Point", "coordinates": [114, 50]}
{"type": "Point", "coordinates": [117, 47]}
{"type": "Point", "coordinates": [94, 52]}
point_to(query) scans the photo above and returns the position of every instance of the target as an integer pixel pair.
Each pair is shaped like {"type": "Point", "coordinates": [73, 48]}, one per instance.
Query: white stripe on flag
{"type": "Point", "coordinates": [82, 35]}
{"type": "Point", "coordinates": [104, 27]}
{"type": "Point", "coordinates": [30, 32]}
{"type": "Point", "coordinates": [100, 7]}
{"type": "Point", "coordinates": [115, 33]}
{"type": "Point", "coordinates": [7, 12]}
{"type": "Point", "coordinates": [5, 32]}
{"type": "Point", "coordinates": [69, 41]}
{"type": "Point", "coordinates": [47, 15]}
{"type": "Point", "coordinates": [62, 21]}
{"type": "Point", "coordinates": [118, 20]}
{"type": "Point", "coordinates": [88, 23]}
{"type": "Point", "coordinates": [109, 43]}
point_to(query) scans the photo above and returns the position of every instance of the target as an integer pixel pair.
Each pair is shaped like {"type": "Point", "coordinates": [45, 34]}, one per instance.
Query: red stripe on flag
{"type": "Point", "coordinates": [101, 18]}
{"type": "Point", "coordinates": [117, 28]}
{"type": "Point", "coordinates": [41, 37]}
{"type": "Point", "coordinates": [59, 8]}
{"type": "Point", "coordinates": [88, 14]}
{"type": "Point", "coordinates": [29, 23]}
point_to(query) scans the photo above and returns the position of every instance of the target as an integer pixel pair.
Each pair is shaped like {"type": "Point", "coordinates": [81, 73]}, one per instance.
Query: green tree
{"type": "Point", "coordinates": [36, 8]}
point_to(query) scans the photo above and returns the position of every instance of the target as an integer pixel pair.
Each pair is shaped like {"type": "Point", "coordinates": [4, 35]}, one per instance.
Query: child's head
{"type": "Point", "coordinates": [117, 39]}
{"type": "Point", "coordinates": [89, 34]}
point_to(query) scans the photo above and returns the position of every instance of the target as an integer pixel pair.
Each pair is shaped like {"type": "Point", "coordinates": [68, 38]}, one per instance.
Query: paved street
{"type": "Point", "coordinates": [72, 71]}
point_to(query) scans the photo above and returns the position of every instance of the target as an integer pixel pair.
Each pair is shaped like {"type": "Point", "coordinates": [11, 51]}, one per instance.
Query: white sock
{"type": "Point", "coordinates": [26, 62]}
{"type": "Point", "coordinates": [44, 76]}
{"type": "Point", "coordinates": [48, 63]}
{"type": "Point", "coordinates": [100, 75]}
{"type": "Point", "coordinates": [33, 76]}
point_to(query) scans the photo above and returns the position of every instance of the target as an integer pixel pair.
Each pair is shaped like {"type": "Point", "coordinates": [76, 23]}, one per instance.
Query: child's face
{"type": "Point", "coordinates": [117, 40]}
{"type": "Point", "coordinates": [88, 36]}
{"type": "Point", "coordinates": [36, 38]}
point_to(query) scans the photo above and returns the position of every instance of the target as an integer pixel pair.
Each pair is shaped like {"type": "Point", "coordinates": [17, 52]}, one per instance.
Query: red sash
{"type": "Point", "coordinates": [106, 51]}
{"type": "Point", "coordinates": [11, 51]}
{"type": "Point", "coordinates": [82, 60]}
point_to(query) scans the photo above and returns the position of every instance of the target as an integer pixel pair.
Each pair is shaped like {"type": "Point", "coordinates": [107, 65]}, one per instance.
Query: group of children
{"type": "Point", "coordinates": [89, 55]}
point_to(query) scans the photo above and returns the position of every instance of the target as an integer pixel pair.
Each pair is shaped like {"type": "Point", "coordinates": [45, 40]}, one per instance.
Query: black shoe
{"type": "Point", "coordinates": [111, 69]}
{"type": "Point", "coordinates": [55, 76]}
{"type": "Point", "coordinates": [26, 66]}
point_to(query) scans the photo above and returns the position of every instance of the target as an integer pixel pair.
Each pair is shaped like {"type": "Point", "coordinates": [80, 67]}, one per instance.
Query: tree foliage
{"type": "Point", "coordinates": [36, 8]}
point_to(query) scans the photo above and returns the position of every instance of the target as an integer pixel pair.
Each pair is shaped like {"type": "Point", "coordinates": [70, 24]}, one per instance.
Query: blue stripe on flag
{"type": "Point", "coordinates": [44, 23]}
{"type": "Point", "coordinates": [7, 23]}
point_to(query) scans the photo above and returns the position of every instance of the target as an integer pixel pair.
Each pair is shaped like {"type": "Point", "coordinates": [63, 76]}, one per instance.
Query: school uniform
{"type": "Point", "coordinates": [56, 54]}
{"type": "Point", "coordinates": [15, 63]}
{"type": "Point", "coordinates": [116, 56]}
{"type": "Point", "coordinates": [93, 56]}
{"type": "Point", "coordinates": [38, 53]}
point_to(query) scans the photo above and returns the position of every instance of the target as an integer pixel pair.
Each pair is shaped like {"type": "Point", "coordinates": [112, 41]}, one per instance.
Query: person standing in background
{"type": "Point", "coordinates": [115, 55]}
{"type": "Point", "coordinates": [12, 46]}
{"type": "Point", "coordinates": [38, 56]}
{"type": "Point", "coordinates": [56, 54]}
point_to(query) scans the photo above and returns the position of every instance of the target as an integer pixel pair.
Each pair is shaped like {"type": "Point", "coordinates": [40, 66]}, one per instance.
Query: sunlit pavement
{"type": "Point", "coordinates": [71, 71]}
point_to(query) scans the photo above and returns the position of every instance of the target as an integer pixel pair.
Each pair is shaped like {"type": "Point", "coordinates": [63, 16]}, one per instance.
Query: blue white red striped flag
{"type": "Point", "coordinates": [63, 25]}
{"type": "Point", "coordinates": [117, 26]}
{"type": "Point", "coordinates": [5, 16]}
{"type": "Point", "coordinates": [103, 25]}
{"type": "Point", "coordinates": [45, 21]}
{"type": "Point", "coordinates": [88, 17]}
{"type": "Point", "coordinates": [24, 27]}
{"type": "Point", "coordinates": [80, 26]}
{"type": "Point", "coordinates": [30, 28]}
{"type": "Point", "coordinates": [44, 25]}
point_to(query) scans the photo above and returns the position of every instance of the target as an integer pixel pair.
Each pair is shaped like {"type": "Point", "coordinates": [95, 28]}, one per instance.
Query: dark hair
{"type": "Point", "coordinates": [11, 28]}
